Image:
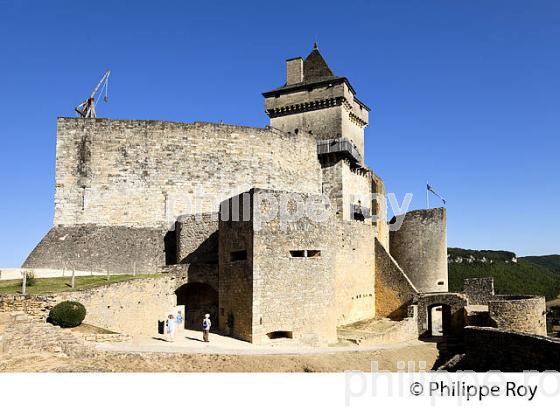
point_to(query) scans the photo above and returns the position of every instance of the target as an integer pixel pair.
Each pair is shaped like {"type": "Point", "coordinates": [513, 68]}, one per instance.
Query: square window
{"type": "Point", "coordinates": [238, 256]}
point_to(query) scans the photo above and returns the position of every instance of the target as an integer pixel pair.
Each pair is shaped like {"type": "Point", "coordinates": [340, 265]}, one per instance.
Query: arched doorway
{"type": "Point", "coordinates": [198, 299]}
{"type": "Point", "coordinates": [439, 320]}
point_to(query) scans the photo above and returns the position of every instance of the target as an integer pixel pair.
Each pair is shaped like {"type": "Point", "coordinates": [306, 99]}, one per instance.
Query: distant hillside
{"type": "Point", "coordinates": [537, 275]}
{"type": "Point", "coordinates": [550, 262]}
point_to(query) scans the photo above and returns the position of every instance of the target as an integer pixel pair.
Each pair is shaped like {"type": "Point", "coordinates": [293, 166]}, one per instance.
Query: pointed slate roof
{"type": "Point", "coordinates": [315, 68]}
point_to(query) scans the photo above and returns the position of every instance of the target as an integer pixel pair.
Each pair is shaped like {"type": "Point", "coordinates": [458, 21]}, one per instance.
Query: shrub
{"type": "Point", "coordinates": [30, 278]}
{"type": "Point", "coordinates": [67, 314]}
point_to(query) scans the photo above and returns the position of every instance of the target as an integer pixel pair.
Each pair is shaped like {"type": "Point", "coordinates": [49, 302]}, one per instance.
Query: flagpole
{"type": "Point", "coordinates": [427, 196]}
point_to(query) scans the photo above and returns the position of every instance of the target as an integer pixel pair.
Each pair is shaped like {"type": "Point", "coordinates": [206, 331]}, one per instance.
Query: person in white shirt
{"type": "Point", "coordinates": [171, 325]}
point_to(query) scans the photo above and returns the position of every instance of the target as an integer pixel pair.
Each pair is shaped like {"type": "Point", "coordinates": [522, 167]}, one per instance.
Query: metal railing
{"type": "Point", "coordinates": [341, 146]}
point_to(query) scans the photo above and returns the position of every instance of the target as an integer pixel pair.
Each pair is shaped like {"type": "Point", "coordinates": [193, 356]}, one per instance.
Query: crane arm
{"type": "Point", "coordinates": [87, 108]}
{"type": "Point", "coordinates": [103, 80]}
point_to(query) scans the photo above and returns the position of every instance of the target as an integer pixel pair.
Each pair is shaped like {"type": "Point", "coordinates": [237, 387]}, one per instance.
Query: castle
{"type": "Point", "coordinates": [205, 201]}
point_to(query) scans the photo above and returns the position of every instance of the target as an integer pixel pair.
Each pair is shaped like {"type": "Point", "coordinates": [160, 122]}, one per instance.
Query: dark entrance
{"type": "Point", "coordinates": [439, 320]}
{"type": "Point", "coordinates": [199, 299]}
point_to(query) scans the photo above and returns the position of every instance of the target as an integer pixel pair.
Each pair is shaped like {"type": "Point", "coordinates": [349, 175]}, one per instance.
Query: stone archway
{"type": "Point", "coordinates": [439, 320]}
{"type": "Point", "coordinates": [452, 313]}
{"type": "Point", "coordinates": [198, 299]}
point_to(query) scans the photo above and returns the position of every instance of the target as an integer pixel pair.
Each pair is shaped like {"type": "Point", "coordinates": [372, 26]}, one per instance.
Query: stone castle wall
{"type": "Point", "coordinates": [479, 290]}
{"type": "Point", "coordinates": [345, 187]}
{"type": "Point", "coordinates": [355, 269]}
{"type": "Point", "coordinates": [420, 248]}
{"type": "Point", "coordinates": [280, 285]}
{"type": "Point", "coordinates": [236, 280]}
{"type": "Point", "coordinates": [380, 210]}
{"type": "Point", "coordinates": [356, 187]}
{"type": "Point", "coordinates": [146, 173]}
{"type": "Point", "coordinates": [294, 292]}
{"type": "Point", "coordinates": [197, 238]}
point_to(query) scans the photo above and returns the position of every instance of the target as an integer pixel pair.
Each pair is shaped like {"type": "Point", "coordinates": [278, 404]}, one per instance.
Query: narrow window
{"type": "Point", "coordinates": [313, 253]}
{"type": "Point", "coordinates": [83, 198]}
{"type": "Point", "coordinates": [238, 256]}
{"type": "Point", "coordinates": [280, 334]}
{"type": "Point", "coordinates": [440, 283]}
{"type": "Point", "coordinates": [297, 254]}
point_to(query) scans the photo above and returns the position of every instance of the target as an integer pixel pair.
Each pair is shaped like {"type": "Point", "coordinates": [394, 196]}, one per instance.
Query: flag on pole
{"type": "Point", "coordinates": [431, 189]}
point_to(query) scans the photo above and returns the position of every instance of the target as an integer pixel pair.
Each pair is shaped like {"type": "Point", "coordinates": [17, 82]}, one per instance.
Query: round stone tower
{"type": "Point", "coordinates": [420, 248]}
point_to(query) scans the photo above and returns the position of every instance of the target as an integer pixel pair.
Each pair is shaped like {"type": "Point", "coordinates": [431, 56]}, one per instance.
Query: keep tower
{"type": "Point", "coordinates": [317, 101]}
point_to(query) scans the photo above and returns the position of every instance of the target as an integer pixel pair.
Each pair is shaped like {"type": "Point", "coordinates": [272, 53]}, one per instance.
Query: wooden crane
{"type": "Point", "coordinates": [87, 108]}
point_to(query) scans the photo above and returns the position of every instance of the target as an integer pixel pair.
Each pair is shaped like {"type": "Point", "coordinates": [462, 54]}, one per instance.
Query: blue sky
{"type": "Point", "coordinates": [464, 94]}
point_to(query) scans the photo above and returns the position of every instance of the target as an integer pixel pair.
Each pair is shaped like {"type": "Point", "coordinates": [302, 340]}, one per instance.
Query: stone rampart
{"type": "Point", "coordinates": [498, 349]}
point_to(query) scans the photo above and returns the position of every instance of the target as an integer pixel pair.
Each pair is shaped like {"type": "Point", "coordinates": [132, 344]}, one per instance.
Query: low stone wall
{"type": "Point", "coordinates": [394, 291]}
{"type": "Point", "coordinates": [33, 305]}
{"type": "Point", "coordinates": [104, 337]}
{"type": "Point", "coordinates": [132, 307]}
{"type": "Point", "coordinates": [519, 313]}
{"type": "Point", "coordinates": [497, 349]}
{"type": "Point", "coordinates": [25, 334]}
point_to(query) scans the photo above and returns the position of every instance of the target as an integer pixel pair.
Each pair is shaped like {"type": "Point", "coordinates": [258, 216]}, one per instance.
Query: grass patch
{"type": "Point", "coordinates": [62, 284]}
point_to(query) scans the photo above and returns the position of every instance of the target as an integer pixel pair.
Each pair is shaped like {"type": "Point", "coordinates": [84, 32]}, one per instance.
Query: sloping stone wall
{"type": "Point", "coordinates": [116, 249]}
{"type": "Point", "coordinates": [394, 291]}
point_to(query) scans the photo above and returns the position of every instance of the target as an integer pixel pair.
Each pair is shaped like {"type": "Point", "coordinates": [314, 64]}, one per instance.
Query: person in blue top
{"type": "Point", "coordinates": [179, 319]}
{"type": "Point", "coordinates": [206, 325]}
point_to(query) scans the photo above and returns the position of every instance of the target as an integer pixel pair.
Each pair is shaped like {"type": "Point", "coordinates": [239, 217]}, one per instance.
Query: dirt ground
{"type": "Point", "coordinates": [387, 359]}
